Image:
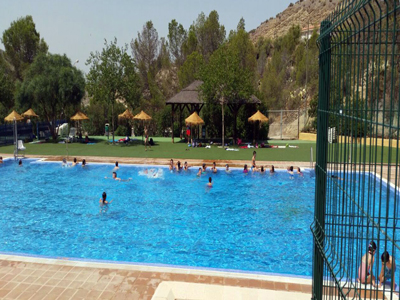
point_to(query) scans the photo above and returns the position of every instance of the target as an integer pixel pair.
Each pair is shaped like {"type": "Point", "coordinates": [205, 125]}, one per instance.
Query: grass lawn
{"type": "Point", "coordinates": [165, 149]}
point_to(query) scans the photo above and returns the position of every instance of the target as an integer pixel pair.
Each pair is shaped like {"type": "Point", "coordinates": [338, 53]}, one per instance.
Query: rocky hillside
{"type": "Point", "coordinates": [299, 13]}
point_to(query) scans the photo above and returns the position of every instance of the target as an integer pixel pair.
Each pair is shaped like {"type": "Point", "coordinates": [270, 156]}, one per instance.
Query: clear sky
{"type": "Point", "coordinates": [77, 27]}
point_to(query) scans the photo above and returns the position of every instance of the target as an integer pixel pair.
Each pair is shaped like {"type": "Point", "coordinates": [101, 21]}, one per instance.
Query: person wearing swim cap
{"type": "Point", "coordinates": [365, 269]}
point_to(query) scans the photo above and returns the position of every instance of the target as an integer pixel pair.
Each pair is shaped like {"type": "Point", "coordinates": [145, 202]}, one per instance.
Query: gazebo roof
{"type": "Point", "coordinates": [189, 95]}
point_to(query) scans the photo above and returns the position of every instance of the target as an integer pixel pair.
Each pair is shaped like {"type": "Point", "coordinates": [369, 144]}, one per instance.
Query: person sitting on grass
{"type": "Point", "coordinates": [388, 269]}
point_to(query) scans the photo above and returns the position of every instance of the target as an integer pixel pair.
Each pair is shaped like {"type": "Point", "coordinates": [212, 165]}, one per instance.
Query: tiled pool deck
{"type": "Point", "coordinates": [34, 278]}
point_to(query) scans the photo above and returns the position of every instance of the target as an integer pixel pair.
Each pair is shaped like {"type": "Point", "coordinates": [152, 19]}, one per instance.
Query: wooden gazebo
{"type": "Point", "coordinates": [188, 97]}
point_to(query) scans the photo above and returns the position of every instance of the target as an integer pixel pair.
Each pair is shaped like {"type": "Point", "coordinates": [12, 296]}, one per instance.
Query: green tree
{"type": "Point", "coordinates": [51, 86]}
{"type": "Point", "coordinates": [113, 76]}
{"type": "Point", "coordinates": [229, 78]}
{"type": "Point", "coordinates": [145, 49]}
{"type": "Point", "coordinates": [210, 33]}
{"type": "Point", "coordinates": [177, 36]}
{"type": "Point", "coordinates": [190, 45]}
{"type": "Point", "coordinates": [190, 70]}
{"type": "Point", "coordinates": [21, 43]}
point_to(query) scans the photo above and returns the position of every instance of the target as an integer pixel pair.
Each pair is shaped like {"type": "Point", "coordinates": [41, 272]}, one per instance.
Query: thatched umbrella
{"type": "Point", "coordinates": [31, 114]}
{"type": "Point", "coordinates": [128, 116]}
{"type": "Point", "coordinates": [14, 117]}
{"type": "Point", "coordinates": [79, 116]}
{"type": "Point", "coordinates": [194, 119]}
{"type": "Point", "coordinates": [258, 116]}
{"type": "Point", "coordinates": [142, 116]}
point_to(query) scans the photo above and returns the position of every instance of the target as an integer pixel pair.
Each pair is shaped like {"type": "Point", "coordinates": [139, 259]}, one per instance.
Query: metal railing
{"type": "Point", "coordinates": [356, 219]}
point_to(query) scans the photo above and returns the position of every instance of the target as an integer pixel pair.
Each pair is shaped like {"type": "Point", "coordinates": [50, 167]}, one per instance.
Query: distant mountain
{"type": "Point", "coordinates": [306, 13]}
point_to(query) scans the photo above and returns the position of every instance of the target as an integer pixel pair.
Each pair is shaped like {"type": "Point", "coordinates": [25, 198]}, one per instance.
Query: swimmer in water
{"type": "Point", "coordinates": [171, 165]}
{"type": "Point", "coordinates": [214, 167]}
{"type": "Point", "coordinates": [204, 168]}
{"type": "Point", "coordinates": [20, 163]}
{"type": "Point", "coordinates": [209, 184]}
{"type": "Point", "coordinates": [1, 160]}
{"type": "Point", "coordinates": [245, 170]}
{"type": "Point", "coordinates": [262, 170]}
{"type": "Point", "coordinates": [185, 166]}
{"type": "Point", "coordinates": [272, 170]}
{"type": "Point", "coordinates": [199, 172]}
{"type": "Point", "coordinates": [64, 163]}
{"type": "Point", "coordinates": [178, 166]}
{"type": "Point", "coordinates": [227, 168]}
{"type": "Point", "coordinates": [299, 171]}
{"type": "Point", "coordinates": [115, 177]}
{"type": "Point", "coordinates": [103, 199]}
{"type": "Point", "coordinates": [83, 163]}
{"type": "Point", "coordinates": [290, 170]}
{"type": "Point", "coordinates": [74, 163]}
{"type": "Point", "coordinates": [116, 166]}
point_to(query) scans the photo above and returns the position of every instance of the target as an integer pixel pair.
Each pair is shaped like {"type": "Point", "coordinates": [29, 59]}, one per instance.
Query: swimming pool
{"type": "Point", "coordinates": [245, 222]}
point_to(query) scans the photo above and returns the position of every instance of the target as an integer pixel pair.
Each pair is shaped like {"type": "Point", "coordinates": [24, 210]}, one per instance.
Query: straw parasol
{"type": "Point", "coordinates": [79, 116]}
{"type": "Point", "coordinates": [29, 113]}
{"type": "Point", "coordinates": [258, 116]}
{"type": "Point", "coordinates": [13, 116]}
{"type": "Point", "coordinates": [194, 119]}
{"type": "Point", "coordinates": [126, 115]}
{"type": "Point", "coordinates": [142, 116]}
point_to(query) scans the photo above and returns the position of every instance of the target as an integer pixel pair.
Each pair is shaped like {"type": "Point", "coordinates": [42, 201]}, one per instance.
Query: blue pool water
{"type": "Point", "coordinates": [244, 222]}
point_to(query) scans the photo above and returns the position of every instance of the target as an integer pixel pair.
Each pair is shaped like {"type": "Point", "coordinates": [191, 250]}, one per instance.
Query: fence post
{"type": "Point", "coordinates": [281, 123]}
{"type": "Point", "coordinates": [320, 191]}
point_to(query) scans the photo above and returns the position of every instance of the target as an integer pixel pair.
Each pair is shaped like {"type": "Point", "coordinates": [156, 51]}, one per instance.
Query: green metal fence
{"type": "Point", "coordinates": [357, 171]}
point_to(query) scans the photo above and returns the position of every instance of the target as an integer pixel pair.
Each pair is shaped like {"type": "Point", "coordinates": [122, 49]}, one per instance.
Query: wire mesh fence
{"type": "Point", "coordinates": [284, 124]}
{"type": "Point", "coordinates": [356, 221]}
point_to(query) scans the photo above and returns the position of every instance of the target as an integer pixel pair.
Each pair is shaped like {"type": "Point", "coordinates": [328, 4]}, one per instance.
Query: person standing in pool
{"type": "Point", "coordinates": [186, 166]}
{"type": "Point", "coordinates": [365, 269]}
{"type": "Point", "coordinates": [83, 163]}
{"type": "Point", "coordinates": [227, 168]}
{"type": "Point", "coordinates": [299, 171]}
{"type": "Point", "coordinates": [74, 163]}
{"type": "Point", "coordinates": [388, 269]}
{"type": "Point", "coordinates": [1, 160]}
{"type": "Point", "coordinates": [103, 199]}
{"type": "Point", "coordinates": [204, 168]}
{"type": "Point", "coordinates": [171, 165]}
{"type": "Point", "coordinates": [178, 166]}
{"type": "Point", "coordinates": [199, 172]}
{"type": "Point", "coordinates": [262, 170]}
{"type": "Point", "coordinates": [209, 184]}
{"type": "Point", "coordinates": [253, 159]}
{"type": "Point", "coordinates": [272, 170]}
{"type": "Point", "coordinates": [20, 163]}
{"type": "Point", "coordinates": [214, 167]}
{"type": "Point", "coordinates": [245, 170]}
{"type": "Point", "coordinates": [116, 166]}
